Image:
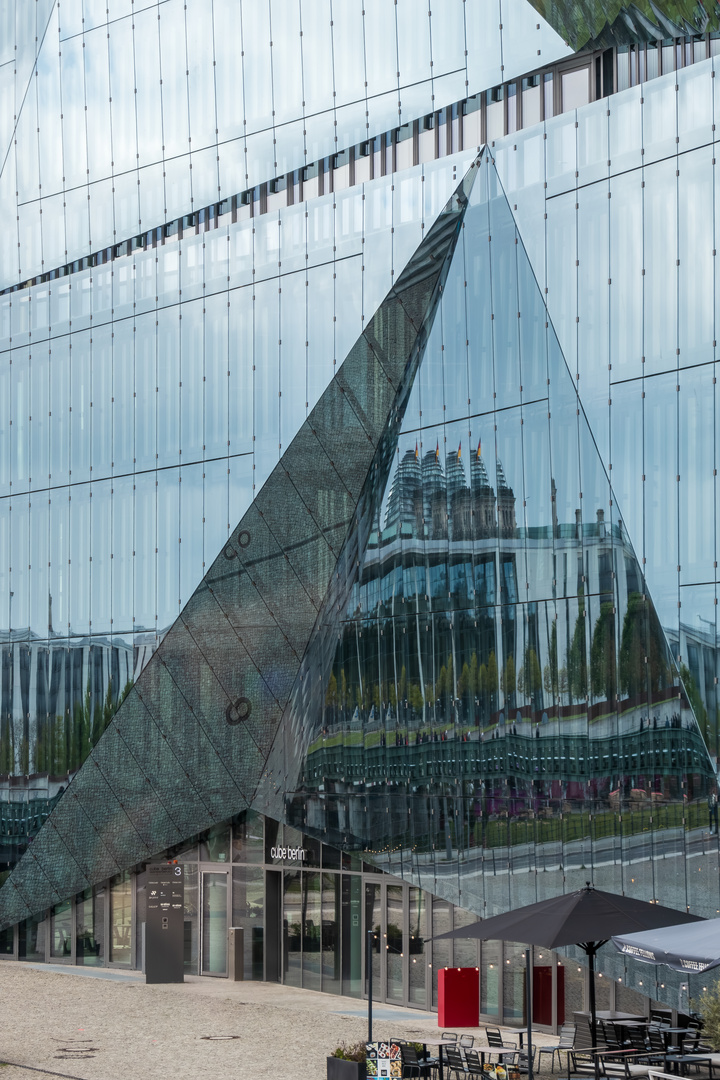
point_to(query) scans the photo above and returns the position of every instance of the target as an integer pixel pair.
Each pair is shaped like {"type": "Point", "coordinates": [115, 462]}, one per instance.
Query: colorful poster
{"type": "Point", "coordinates": [383, 1059]}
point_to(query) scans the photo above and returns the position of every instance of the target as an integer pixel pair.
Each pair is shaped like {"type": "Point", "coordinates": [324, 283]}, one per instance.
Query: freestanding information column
{"type": "Point", "coordinates": [165, 924]}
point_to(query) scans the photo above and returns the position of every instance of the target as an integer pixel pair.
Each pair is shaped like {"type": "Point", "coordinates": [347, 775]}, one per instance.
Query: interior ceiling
{"type": "Point", "coordinates": [602, 23]}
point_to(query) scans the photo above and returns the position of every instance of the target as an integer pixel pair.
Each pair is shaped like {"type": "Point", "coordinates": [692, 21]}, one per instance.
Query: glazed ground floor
{"type": "Point", "coordinates": [264, 902]}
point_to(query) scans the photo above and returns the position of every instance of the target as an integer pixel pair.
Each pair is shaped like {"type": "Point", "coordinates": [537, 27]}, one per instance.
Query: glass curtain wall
{"type": "Point", "coordinates": [121, 919]}
{"type": "Point", "coordinates": [90, 926]}
{"type": "Point", "coordinates": [61, 931]}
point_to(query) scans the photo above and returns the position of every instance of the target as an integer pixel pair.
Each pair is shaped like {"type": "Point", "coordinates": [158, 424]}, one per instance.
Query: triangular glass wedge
{"type": "Point", "coordinates": [489, 657]}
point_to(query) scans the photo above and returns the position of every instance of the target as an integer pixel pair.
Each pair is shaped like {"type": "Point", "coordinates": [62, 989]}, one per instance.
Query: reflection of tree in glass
{"type": "Point", "coordinates": [577, 656]}
{"type": "Point", "coordinates": [551, 675]}
{"type": "Point", "coordinates": [529, 678]}
{"type": "Point", "coordinates": [508, 681]}
{"type": "Point", "coordinates": [693, 693]}
{"type": "Point", "coordinates": [642, 638]}
{"type": "Point", "coordinates": [582, 21]}
{"type": "Point", "coordinates": [603, 671]}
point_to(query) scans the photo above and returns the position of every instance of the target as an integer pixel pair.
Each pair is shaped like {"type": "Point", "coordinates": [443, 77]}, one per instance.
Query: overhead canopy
{"type": "Point", "coordinates": [690, 947]}
{"type": "Point", "coordinates": [588, 915]}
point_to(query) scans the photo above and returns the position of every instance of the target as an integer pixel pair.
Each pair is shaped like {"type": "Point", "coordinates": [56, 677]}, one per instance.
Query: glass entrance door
{"type": "Point", "coordinates": [398, 916]}
{"type": "Point", "coordinates": [214, 937]}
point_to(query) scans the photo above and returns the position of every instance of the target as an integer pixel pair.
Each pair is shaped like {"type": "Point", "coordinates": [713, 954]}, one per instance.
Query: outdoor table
{"type": "Point", "coordinates": [483, 1050]}
{"type": "Point", "coordinates": [681, 1032]}
{"type": "Point", "coordinates": [439, 1043]}
{"type": "Point", "coordinates": [612, 1014]}
{"type": "Point", "coordinates": [681, 1060]}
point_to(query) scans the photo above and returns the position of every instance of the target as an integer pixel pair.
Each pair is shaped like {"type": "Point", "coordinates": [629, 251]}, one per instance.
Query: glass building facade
{"type": "Point", "coordinates": [357, 480]}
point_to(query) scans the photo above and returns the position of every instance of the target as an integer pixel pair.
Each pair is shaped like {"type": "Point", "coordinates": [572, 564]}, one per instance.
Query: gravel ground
{"type": "Point", "coordinates": [81, 1026]}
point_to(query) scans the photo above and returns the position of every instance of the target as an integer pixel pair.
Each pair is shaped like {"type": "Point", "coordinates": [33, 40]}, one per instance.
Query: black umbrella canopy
{"type": "Point", "coordinates": [588, 915]}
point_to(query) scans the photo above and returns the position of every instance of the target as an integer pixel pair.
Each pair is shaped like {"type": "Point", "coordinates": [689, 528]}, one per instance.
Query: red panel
{"type": "Point", "coordinates": [542, 995]}
{"type": "Point", "coordinates": [458, 997]}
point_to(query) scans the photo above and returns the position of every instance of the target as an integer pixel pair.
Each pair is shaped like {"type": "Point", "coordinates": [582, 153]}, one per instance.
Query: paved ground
{"type": "Point", "coordinates": [98, 1025]}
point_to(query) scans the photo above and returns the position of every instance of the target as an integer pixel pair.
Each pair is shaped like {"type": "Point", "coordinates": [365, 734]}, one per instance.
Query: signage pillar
{"type": "Point", "coordinates": [165, 924]}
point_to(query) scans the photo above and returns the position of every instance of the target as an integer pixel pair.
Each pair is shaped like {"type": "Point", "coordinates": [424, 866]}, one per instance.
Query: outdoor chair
{"type": "Point", "coordinates": [583, 1036]}
{"type": "Point", "coordinates": [656, 1044]}
{"type": "Point", "coordinates": [449, 1036]}
{"type": "Point", "coordinates": [411, 1064]}
{"type": "Point", "coordinates": [454, 1061]}
{"type": "Point", "coordinates": [609, 1035]}
{"type": "Point", "coordinates": [467, 1040]}
{"type": "Point", "coordinates": [614, 1064]}
{"type": "Point", "coordinates": [633, 1035]}
{"type": "Point", "coordinates": [691, 1043]}
{"type": "Point", "coordinates": [521, 1061]}
{"type": "Point", "coordinates": [567, 1040]}
{"type": "Point", "coordinates": [496, 1038]}
{"type": "Point", "coordinates": [473, 1063]}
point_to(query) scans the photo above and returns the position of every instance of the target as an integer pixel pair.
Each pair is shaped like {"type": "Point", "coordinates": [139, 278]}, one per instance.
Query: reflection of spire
{"type": "Point", "coordinates": [434, 495]}
{"type": "Point", "coordinates": [455, 473]}
{"type": "Point", "coordinates": [458, 497]}
{"type": "Point", "coordinates": [405, 500]}
{"type": "Point", "coordinates": [502, 484]}
{"type": "Point", "coordinates": [483, 497]}
{"type": "Point", "coordinates": [478, 472]}
{"type": "Point", "coordinates": [507, 522]}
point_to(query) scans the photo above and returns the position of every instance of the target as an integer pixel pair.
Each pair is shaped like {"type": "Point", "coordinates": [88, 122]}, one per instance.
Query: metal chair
{"type": "Point", "coordinates": [567, 1041]}
{"type": "Point", "coordinates": [655, 1044]}
{"type": "Point", "coordinates": [411, 1063]}
{"type": "Point", "coordinates": [473, 1063]}
{"type": "Point", "coordinates": [609, 1035]}
{"type": "Point", "coordinates": [449, 1036]}
{"type": "Point", "coordinates": [467, 1040]}
{"type": "Point", "coordinates": [495, 1038]}
{"type": "Point", "coordinates": [454, 1061]}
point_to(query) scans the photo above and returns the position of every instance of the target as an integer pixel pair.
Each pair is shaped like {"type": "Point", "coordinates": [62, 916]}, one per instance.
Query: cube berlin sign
{"type": "Point", "coordinates": [293, 854]}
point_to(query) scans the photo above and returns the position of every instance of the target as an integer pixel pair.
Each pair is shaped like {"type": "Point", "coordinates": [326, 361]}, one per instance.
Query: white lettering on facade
{"type": "Point", "coordinates": [294, 854]}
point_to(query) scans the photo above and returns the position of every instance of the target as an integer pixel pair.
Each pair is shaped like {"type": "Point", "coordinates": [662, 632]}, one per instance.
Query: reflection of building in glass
{"type": "Point", "coordinates": [246, 357]}
{"type": "Point", "coordinates": [57, 699]}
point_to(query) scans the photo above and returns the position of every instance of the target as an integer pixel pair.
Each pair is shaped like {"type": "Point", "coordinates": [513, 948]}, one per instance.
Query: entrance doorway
{"type": "Point", "coordinates": [397, 914]}
{"type": "Point", "coordinates": [215, 896]}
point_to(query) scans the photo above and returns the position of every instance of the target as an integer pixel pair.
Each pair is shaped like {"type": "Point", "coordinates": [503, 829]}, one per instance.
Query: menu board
{"type": "Point", "coordinates": [383, 1059]}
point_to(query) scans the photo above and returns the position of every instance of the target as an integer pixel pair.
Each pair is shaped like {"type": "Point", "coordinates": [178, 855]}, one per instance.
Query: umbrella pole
{"type": "Point", "coordinates": [590, 949]}
{"type": "Point", "coordinates": [369, 979]}
{"type": "Point", "coordinates": [529, 1010]}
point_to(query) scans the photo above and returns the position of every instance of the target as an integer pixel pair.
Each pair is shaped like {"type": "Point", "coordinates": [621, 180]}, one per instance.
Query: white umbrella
{"type": "Point", "coordinates": [690, 947]}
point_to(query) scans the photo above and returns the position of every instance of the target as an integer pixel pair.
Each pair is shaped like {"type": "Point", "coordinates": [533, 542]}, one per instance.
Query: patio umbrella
{"type": "Point", "coordinates": [689, 947]}
{"type": "Point", "coordinates": [587, 918]}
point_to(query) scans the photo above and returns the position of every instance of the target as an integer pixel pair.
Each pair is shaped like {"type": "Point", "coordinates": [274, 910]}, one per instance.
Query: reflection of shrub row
{"type": "Point", "coordinates": [600, 668]}
{"type": "Point", "coordinates": [63, 742]}
{"type": "Point", "coordinates": [642, 751]}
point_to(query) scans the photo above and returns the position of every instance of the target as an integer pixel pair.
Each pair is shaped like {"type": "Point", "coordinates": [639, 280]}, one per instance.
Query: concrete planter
{"type": "Point", "coordinates": [337, 1069]}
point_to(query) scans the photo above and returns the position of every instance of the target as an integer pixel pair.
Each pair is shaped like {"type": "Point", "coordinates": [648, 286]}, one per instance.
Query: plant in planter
{"type": "Point", "coordinates": [708, 1008]}
{"type": "Point", "coordinates": [347, 1062]}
